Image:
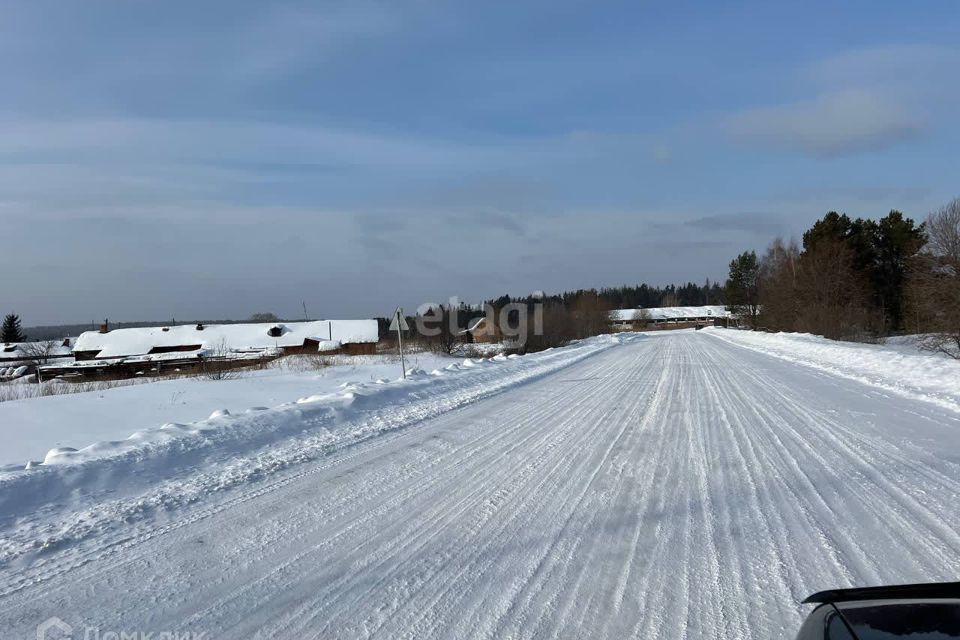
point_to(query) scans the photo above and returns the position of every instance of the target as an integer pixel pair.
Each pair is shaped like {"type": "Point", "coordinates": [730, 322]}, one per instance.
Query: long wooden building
{"type": "Point", "coordinates": [150, 350]}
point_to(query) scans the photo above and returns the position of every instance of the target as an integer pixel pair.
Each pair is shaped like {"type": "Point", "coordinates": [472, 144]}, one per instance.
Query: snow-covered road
{"type": "Point", "coordinates": [678, 486]}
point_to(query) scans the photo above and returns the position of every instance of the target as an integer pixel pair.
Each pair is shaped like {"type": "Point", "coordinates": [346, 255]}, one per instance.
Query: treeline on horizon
{"type": "Point", "coordinates": [629, 296]}
{"type": "Point", "coordinates": [858, 279]}
{"type": "Point", "coordinates": [573, 315]}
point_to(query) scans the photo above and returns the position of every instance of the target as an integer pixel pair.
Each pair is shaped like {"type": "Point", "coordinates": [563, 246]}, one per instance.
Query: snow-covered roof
{"type": "Point", "coordinates": [671, 313]}
{"type": "Point", "coordinates": [235, 337]}
{"type": "Point", "coordinates": [476, 323]}
{"type": "Point", "coordinates": [28, 350]}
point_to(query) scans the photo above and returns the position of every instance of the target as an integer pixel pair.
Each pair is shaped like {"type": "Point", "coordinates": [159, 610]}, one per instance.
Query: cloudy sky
{"type": "Point", "coordinates": [213, 159]}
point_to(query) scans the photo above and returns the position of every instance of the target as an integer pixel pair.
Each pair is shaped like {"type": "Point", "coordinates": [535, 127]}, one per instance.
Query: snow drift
{"type": "Point", "coordinates": [894, 368]}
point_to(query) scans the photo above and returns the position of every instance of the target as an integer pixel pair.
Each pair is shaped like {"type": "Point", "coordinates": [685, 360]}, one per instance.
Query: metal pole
{"type": "Point", "coordinates": [400, 344]}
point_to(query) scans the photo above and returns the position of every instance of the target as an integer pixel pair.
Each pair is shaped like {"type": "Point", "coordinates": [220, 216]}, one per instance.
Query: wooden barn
{"type": "Point", "coordinates": [652, 318]}
{"type": "Point", "coordinates": [482, 330]}
{"type": "Point", "coordinates": [150, 350]}
{"type": "Point", "coordinates": [353, 337]}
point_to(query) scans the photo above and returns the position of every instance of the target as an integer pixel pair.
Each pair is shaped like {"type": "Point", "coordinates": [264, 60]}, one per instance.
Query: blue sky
{"type": "Point", "coordinates": [213, 159]}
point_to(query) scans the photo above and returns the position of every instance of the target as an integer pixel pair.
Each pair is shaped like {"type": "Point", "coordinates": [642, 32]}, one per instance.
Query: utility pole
{"type": "Point", "coordinates": [399, 324]}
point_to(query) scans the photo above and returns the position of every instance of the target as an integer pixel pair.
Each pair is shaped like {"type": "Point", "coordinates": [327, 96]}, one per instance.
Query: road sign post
{"type": "Point", "coordinates": [399, 324]}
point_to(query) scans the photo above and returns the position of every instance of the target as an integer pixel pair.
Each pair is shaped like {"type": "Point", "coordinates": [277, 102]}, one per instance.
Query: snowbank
{"type": "Point", "coordinates": [32, 425]}
{"type": "Point", "coordinates": [900, 367]}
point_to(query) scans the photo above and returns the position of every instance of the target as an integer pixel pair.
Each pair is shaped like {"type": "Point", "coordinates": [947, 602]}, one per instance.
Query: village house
{"type": "Point", "coordinates": [136, 351]}
{"type": "Point", "coordinates": [37, 351]}
{"type": "Point", "coordinates": [352, 337]}
{"type": "Point", "coordinates": [482, 330]}
{"type": "Point", "coordinates": [19, 359]}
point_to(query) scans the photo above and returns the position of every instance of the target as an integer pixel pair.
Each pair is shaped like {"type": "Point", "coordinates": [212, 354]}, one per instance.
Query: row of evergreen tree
{"type": "Point", "coordinates": [629, 296]}
{"type": "Point", "coordinates": [856, 279]}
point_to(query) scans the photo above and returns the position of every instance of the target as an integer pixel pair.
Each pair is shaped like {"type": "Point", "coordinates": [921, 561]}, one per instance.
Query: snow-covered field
{"type": "Point", "coordinates": [30, 428]}
{"type": "Point", "coordinates": [671, 485]}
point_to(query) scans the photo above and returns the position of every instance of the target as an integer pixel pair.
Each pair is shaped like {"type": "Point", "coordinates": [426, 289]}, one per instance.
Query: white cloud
{"type": "Point", "coordinates": [895, 68]}
{"type": "Point", "coordinates": [836, 123]}
{"type": "Point", "coordinates": [862, 99]}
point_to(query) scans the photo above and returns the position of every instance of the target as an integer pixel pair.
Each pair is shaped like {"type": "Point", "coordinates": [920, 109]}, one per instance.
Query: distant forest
{"type": "Point", "coordinates": [586, 312]}
{"type": "Point", "coordinates": [631, 296]}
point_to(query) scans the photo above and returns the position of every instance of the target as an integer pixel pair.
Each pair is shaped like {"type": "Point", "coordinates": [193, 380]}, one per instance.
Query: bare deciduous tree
{"type": "Point", "coordinates": [591, 315]}
{"type": "Point", "coordinates": [558, 328]}
{"type": "Point", "coordinates": [933, 284]}
{"type": "Point", "coordinates": [640, 319]}
{"type": "Point", "coordinates": [943, 233]}
{"type": "Point", "coordinates": [219, 363]}
{"type": "Point", "coordinates": [264, 317]}
{"type": "Point", "coordinates": [439, 328]}
{"type": "Point", "coordinates": [779, 271]}
{"type": "Point", "coordinates": [830, 293]}
{"type": "Point", "coordinates": [39, 353]}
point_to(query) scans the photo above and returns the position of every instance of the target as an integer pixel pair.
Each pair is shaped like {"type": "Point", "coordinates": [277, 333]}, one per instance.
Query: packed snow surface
{"type": "Point", "coordinates": [678, 485]}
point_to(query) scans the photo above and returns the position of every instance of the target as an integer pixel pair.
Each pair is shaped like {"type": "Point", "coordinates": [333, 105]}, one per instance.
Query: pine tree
{"type": "Point", "coordinates": [898, 240]}
{"type": "Point", "coordinates": [742, 291]}
{"type": "Point", "coordinates": [11, 329]}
